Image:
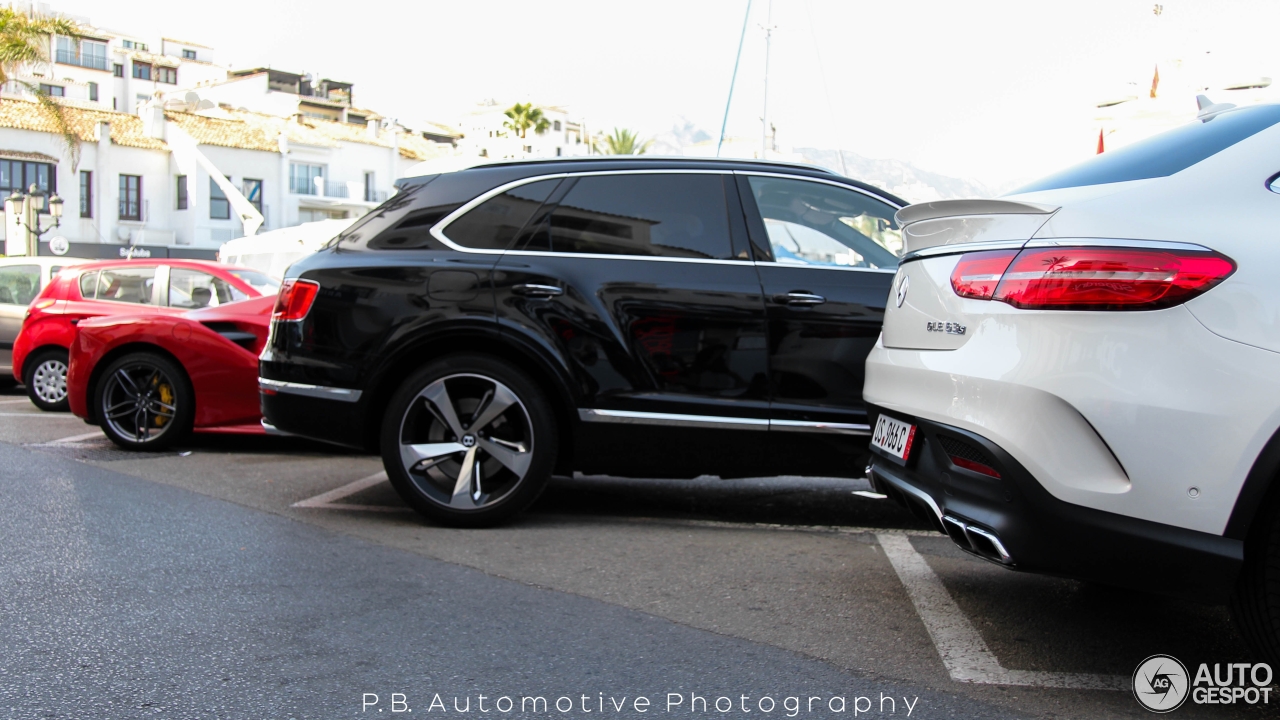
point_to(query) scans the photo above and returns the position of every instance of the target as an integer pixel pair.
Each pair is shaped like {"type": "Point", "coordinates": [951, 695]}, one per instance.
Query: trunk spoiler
{"type": "Point", "coordinates": [954, 208]}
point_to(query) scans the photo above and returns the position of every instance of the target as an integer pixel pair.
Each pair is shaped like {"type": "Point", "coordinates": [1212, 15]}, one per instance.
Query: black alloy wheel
{"type": "Point", "coordinates": [45, 375]}
{"type": "Point", "coordinates": [469, 441]}
{"type": "Point", "coordinates": [144, 401]}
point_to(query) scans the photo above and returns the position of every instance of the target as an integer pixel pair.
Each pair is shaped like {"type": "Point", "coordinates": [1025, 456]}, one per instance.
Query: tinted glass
{"type": "Point", "coordinates": [676, 215]}
{"type": "Point", "coordinates": [811, 223]}
{"type": "Point", "coordinates": [128, 284]}
{"type": "Point", "coordinates": [88, 285]}
{"type": "Point", "coordinates": [494, 223]}
{"type": "Point", "coordinates": [19, 284]}
{"type": "Point", "coordinates": [1166, 153]}
{"type": "Point", "coordinates": [195, 289]}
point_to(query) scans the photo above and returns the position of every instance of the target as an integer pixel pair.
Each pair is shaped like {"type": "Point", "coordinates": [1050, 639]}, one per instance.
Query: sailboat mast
{"type": "Point", "coordinates": [764, 119]}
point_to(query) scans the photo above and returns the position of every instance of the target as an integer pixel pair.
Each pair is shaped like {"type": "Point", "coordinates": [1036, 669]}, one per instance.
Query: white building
{"type": "Point", "coordinates": [485, 134]}
{"type": "Point", "coordinates": [116, 71]}
{"type": "Point", "coordinates": [144, 179]}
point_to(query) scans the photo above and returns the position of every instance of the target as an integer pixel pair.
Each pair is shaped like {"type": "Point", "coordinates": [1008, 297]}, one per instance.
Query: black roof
{"type": "Point", "coordinates": [632, 162]}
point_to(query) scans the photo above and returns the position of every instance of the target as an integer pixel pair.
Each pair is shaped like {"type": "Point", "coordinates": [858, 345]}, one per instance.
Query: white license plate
{"type": "Point", "coordinates": [893, 437]}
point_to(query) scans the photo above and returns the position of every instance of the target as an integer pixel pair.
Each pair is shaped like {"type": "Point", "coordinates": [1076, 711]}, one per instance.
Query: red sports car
{"type": "Point", "coordinates": [116, 287]}
{"type": "Point", "coordinates": [149, 380]}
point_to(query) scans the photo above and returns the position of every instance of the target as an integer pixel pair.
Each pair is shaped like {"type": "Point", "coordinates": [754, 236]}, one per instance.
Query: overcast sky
{"type": "Point", "coordinates": [989, 90]}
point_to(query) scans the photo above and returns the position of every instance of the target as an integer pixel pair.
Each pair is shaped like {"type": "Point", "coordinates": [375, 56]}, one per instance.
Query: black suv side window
{"type": "Point", "coordinates": [493, 224]}
{"type": "Point", "coordinates": [680, 215]}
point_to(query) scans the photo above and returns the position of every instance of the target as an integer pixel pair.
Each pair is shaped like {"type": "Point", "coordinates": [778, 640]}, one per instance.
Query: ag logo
{"type": "Point", "coordinates": [902, 290]}
{"type": "Point", "coordinates": [1160, 683]}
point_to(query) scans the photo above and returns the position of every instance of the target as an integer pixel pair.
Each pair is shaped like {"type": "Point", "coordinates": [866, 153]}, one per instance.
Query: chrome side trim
{"type": "Point", "coordinates": [316, 391]}
{"type": "Point", "coordinates": [832, 428]}
{"type": "Point", "coordinates": [631, 417]}
{"type": "Point", "coordinates": [770, 263]}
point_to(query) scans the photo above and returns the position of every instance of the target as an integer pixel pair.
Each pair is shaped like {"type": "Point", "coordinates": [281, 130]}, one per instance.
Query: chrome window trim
{"type": "Point", "coordinates": [316, 391]}
{"type": "Point", "coordinates": [437, 230]}
{"type": "Point", "coordinates": [721, 422]}
{"type": "Point", "coordinates": [960, 248]}
{"type": "Point", "coordinates": [844, 268]}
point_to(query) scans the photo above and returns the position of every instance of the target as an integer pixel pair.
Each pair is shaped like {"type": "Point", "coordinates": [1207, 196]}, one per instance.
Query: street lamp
{"type": "Point", "coordinates": [26, 209]}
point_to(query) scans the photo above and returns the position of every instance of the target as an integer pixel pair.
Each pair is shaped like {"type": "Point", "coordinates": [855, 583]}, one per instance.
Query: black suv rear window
{"type": "Point", "coordinates": [1166, 153]}
{"type": "Point", "coordinates": [682, 215]}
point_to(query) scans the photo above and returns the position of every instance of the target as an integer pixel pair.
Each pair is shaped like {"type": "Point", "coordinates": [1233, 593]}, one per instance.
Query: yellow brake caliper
{"type": "Point", "coordinates": [166, 397]}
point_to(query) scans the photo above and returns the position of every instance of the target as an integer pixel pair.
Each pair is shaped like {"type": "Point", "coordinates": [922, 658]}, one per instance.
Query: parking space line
{"type": "Point", "coordinates": [325, 501]}
{"type": "Point", "coordinates": [964, 653]}
{"type": "Point", "coordinates": [15, 402]}
{"type": "Point", "coordinates": [49, 416]}
{"type": "Point", "coordinates": [73, 439]}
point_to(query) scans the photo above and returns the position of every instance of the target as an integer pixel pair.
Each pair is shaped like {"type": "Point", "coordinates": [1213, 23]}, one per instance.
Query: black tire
{"type": "Point", "coordinates": [45, 374]}
{"type": "Point", "coordinates": [1255, 604]}
{"type": "Point", "coordinates": [426, 452]}
{"type": "Point", "coordinates": [144, 401]}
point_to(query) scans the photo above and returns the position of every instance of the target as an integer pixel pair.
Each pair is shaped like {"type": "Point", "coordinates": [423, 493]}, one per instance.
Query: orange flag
{"type": "Point", "coordinates": [1100, 144]}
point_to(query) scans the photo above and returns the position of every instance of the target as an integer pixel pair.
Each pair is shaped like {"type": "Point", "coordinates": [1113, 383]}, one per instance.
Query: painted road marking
{"type": "Point", "coordinates": [74, 439]}
{"type": "Point", "coordinates": [15, 402]}
{"type": "Point", "coordinates": [962, 648]}
{"type": "Point", "coordinates": [51, 416]}
{"type": "Point", "coordinates": [325, 501]}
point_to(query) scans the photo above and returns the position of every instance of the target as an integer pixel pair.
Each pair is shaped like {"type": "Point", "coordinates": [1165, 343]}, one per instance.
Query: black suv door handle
{"type": "Point", "coordinates": [537, 291]}
{"type": "Point", "coordinates": [795, 297]}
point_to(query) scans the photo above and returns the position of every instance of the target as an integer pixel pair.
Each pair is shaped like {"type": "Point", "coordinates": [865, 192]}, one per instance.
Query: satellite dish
{"type": "Point", "coordinates": [206, 105]}
{"type": "Point", "coordinates": [191, 98]}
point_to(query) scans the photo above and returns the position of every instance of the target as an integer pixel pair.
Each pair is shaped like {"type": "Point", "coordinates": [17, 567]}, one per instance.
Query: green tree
{"type": "Point", "coordinates": [624, 142]}
{"type": "Point", "coordinates": [526, 117]}
{"type": "Point", "coordinates": [25, 40]}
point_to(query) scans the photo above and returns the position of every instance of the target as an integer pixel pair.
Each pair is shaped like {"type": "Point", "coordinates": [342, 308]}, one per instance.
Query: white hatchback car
{"type": "Point", "coordinates": [1083, 378]}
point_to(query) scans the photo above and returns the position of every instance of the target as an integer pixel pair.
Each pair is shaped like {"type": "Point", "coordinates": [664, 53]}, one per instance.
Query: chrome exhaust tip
{"type": "Point", "coordinates": [980, 542]}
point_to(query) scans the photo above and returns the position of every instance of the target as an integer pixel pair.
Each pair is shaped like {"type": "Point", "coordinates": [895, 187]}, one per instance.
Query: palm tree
{"type": "Point", "coordinates": [524, 118]}
{"type": "Point", "coordinates": [25, 40]}
{"type": "Point", "coordinates": [625, 142]}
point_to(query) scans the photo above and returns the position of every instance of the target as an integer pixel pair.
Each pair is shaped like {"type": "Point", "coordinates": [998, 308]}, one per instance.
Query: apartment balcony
{"type": "Point", "coordinates": [67, 57]}
{"type": "Point", "coordinates": [329, 189]}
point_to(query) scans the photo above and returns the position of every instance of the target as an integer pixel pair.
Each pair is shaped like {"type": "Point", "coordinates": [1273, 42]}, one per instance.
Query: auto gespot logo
{"type": "Point", "coordinates": [1162, 684]}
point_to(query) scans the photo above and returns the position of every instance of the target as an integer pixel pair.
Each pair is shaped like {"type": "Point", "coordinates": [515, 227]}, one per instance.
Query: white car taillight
{"type": "Point", "coordinates": [1089, 278]}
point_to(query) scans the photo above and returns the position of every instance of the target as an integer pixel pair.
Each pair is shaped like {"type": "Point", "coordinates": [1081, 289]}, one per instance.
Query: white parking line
{"type": "Point", "coordinates": [962, 648]}
{"type": "Point", "coordinates": [47, 416]}
{"type": "Point", "coordinates": [15, 402]}
{"type": "Point", "coordinates": [325, 501]}
{"type": "Point", "coordinates": [76, 438]}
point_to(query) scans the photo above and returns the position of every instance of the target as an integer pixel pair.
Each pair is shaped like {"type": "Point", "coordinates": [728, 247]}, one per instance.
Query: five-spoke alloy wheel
{"type": "Point", "coordinates": [469, 440]}
{"type": "Point", "coordinates": [144, 401]}
{"type": "Point", "coordinates": [45, 375]}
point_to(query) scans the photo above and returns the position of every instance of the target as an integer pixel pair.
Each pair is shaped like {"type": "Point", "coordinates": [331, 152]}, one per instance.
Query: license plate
{"type": "Point", "coordinates": [893, 437]}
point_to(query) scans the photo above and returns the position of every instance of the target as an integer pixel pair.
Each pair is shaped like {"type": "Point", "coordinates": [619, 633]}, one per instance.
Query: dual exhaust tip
{"type": "Point", "coordinates": [976, 540]}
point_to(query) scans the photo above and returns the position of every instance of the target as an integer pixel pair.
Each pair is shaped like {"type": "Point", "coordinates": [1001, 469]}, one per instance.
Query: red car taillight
{"type": "Point", "coordinates": [295, 299]}
{"type": "Point", "coordinates": [1091, 278]}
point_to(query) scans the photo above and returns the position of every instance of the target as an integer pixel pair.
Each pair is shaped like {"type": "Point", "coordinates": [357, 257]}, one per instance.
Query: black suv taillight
{"type": "Point", "coordinates": [295, 299]}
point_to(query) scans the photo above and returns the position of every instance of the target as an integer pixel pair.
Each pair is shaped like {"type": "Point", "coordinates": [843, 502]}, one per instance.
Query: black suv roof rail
{"type": "Point", "coordinates": [641, 159]}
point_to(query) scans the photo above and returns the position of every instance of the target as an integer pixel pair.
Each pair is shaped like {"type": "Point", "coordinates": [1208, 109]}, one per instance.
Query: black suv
{"type": "Point", "coordinates": [639, 317]}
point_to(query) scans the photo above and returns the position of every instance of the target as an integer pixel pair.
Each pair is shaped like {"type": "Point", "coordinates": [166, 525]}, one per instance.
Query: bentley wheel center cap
{"type": "Point", "coordinates": [468, 440]}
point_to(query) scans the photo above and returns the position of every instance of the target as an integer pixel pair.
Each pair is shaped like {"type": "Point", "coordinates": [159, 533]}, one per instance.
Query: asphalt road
{"type": "Point", "coordinates": [187, 584]}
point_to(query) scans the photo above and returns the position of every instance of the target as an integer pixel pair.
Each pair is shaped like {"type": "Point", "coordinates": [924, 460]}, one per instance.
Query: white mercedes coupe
{"type": "Point", "coordinates": [1082, 378]}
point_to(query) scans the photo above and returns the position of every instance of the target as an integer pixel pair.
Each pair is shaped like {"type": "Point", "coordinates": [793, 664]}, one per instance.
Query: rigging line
{"type": "Point", "coordinates": [826, 89]}
{"type": "Point", "coordinates": [732, 80]}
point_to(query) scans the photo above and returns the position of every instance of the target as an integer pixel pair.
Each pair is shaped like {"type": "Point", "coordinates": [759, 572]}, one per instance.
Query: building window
{"type": "Point", "coordinates": [219, 206]}
{"type": "Point", "coordinates": [130, 197]}
{"type": "Point", "coordinates": [252, 191]}
{"type": "Point", "coordinates": [85, 53]}
{"type": "Point", "coordinates": [19, 175]}
{"type": "Point", "coordinates": [52, 90]}
{"type": "Point", "coordinates": [141, 70]}
{"type": "Point", "coordinates": [134, 45]}
{"type": "Point", "coordinates": [370, 187]}
{"type": "Point", "coordinates": [167, 75]}
{"type": "Point", "coordinates": [117, 69]}
{"type": "Point", "coordinates": [188, 54]}
{"type": "Point", "coordinates": [556, 126]}
{"type": "Point", "coordinates": [302, 178]}
{"type": "Point", "coordinates": [182, 192]}
{"type": "Point", "coordinates": [93, 92]}
{"type": "Point", "coordinates": [86, 194]}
